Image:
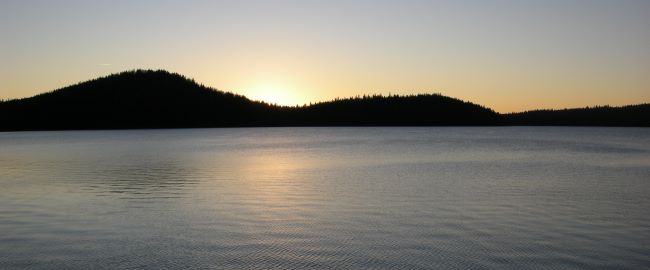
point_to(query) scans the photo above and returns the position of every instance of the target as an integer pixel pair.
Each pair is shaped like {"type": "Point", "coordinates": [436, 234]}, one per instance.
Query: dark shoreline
{"type": "Point", "coordinates": [244, 127]}
{"type": "Point", "coordinates": [148, 99]}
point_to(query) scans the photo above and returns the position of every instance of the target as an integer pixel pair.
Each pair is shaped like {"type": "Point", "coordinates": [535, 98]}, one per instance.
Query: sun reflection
{"type": "Point", "coordinates": [273, 177]}
{"type": "Point", "coordinates": [269, 181]}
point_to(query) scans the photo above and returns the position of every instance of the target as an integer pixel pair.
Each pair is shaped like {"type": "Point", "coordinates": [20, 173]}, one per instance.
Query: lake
{"type": "Point", "coordinates": [326, 198]}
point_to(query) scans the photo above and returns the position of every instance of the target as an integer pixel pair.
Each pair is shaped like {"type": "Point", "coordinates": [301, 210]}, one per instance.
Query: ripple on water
{"type": "Point", "coordinates": [326, 198]}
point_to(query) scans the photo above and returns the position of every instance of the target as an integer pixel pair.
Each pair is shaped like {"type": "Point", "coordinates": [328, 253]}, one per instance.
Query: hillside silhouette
{"type": "Point", "coordinates": [631, 115]}
{"type": "Point", "coordinates": [160, 99]}
{"type": "Point", "coordinates": [134, 99]}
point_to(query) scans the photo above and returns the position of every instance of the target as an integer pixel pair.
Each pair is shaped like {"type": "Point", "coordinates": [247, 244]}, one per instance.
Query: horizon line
{"type": "Point", "coordinates": [310, 103]}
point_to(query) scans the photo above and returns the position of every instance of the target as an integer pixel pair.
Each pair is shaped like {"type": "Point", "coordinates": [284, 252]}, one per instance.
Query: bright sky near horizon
{"type": "Point", "coordinates": [510, 55]}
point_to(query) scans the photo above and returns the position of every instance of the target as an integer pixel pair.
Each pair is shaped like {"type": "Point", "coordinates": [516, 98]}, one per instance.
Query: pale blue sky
{"type": "Point", "coordinates": [509, 55]}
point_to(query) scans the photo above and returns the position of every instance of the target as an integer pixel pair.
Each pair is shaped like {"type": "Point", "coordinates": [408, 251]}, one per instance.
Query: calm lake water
{"type": "Point", "coordinates": [326, 198]}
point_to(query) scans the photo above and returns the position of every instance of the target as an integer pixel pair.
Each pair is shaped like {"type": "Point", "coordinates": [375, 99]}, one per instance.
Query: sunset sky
{"type": "Point", "coordinates": [508, 55]}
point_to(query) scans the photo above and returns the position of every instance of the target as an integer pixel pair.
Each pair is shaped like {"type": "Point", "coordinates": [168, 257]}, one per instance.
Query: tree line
{"type": "Point", "coordinates": [160, 99]}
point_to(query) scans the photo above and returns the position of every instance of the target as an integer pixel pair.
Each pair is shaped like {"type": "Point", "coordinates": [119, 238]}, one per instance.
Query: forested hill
{"type": "Point", "coordinates": [159, 99]}
{"type": "Point", "coordinates": [134, 99]}
{"type": "Point", "coordinates": [631, 115]}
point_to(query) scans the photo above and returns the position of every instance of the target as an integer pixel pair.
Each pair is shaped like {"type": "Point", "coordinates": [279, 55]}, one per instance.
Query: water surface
{"type": "Point", "coordinates": [326, 198]}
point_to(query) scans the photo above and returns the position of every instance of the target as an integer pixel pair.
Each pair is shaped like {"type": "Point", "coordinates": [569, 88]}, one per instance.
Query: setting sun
{"type": "Point", "coordinates": [273, 94]}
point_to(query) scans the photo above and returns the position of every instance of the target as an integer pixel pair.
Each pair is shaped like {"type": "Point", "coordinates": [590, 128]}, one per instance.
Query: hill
{"type": "Point", "coordinates": [160, 99]}
{"type": "Point", "coordinates": [134, 99]}
{"type": "Point", "coordinates": [631, 115]}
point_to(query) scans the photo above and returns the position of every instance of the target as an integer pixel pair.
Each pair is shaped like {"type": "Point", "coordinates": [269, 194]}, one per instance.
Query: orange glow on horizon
{"type": "Point", "coordinates": [508, 57]}
{"type": "Point", "coordinates": [273, 94]}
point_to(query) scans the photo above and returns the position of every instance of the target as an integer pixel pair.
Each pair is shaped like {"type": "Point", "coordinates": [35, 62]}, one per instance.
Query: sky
{"type": "Point", "coordinates": [509, 55]}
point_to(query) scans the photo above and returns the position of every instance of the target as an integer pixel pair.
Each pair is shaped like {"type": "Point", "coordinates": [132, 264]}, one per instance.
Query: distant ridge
{"type": "Point", "coordinates": [630, 115]}
{"type": "Point", "coordinates": [160, 99]}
